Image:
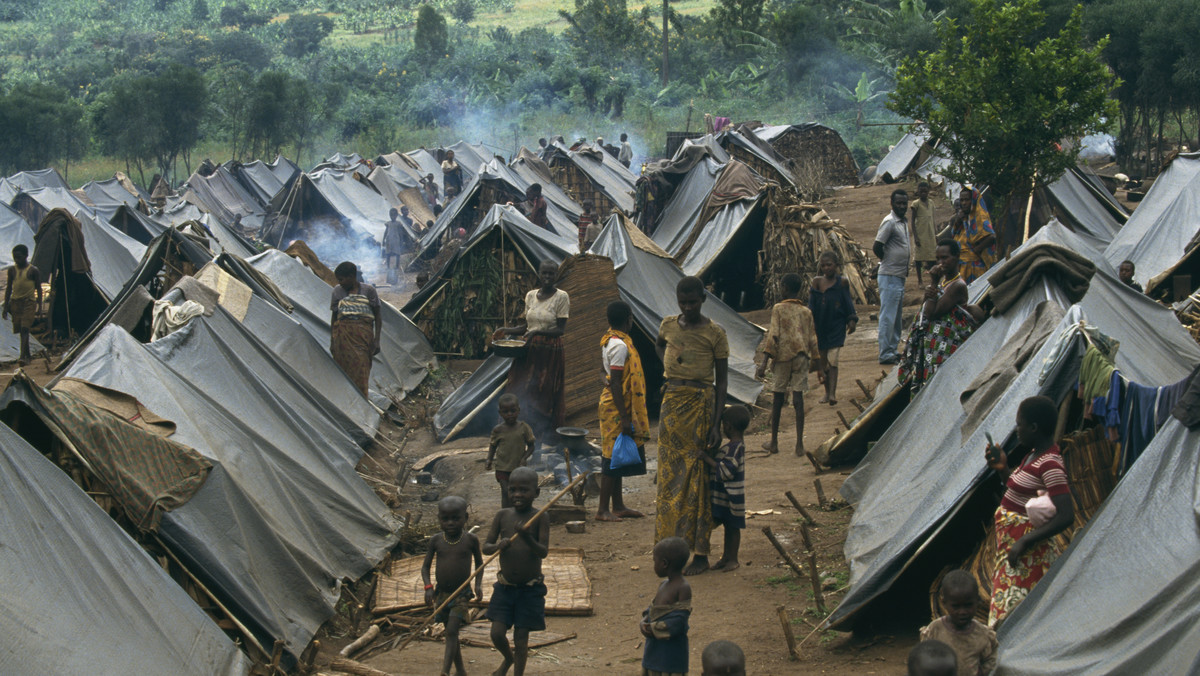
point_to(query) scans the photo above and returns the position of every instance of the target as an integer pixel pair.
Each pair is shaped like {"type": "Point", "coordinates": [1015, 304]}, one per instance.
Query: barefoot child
{"type": "Point", "coordinates": [454, 550]}
{"type": "Point", "coordinates": [622, 410]}
{"type": "Point", "coordinates": [723, 658]}
{"type": "Point", "coordinates": [729, 484]}
{"type": "Point", "coordinates": [790, 343]}
{"type": "Point", "coordinates": [519, 596]}
{"type": "Point", "coordinates": [973, 642]}
{"type": "Point", "coordinates": [665, 622]}
{"type": "Point", "coordinates": [22, 296]}
{"type": "Point", "coordinates": [511, 445]}
{"type": "Point", "coordinates": [833, 312]}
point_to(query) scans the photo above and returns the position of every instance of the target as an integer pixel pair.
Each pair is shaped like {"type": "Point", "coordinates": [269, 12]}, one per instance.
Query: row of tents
{"type": "Point", "coordinates": [1122, 598]}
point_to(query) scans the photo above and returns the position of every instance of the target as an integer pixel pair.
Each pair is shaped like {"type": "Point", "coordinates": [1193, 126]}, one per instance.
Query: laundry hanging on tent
{"type": "Point", "coordinates": [170, 318]}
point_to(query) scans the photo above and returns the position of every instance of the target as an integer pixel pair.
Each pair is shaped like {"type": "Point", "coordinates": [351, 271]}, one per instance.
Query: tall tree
{"type": "Point", "coordinates": [1000, 101]}
{"type": "Point", "coordinates": [39, 124]}
{"type": "Point", "coordinates": [430, 39]}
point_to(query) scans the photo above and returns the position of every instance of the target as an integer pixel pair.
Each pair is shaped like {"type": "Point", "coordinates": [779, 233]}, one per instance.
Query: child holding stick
{"type": "Point", "coordinates": [454, 550]}
{"type": "Point", "coordinates": [519, 595]}
{"type": "Point", "coordinates": [511, 445]}
{"type": "Point", "coordinates": [728, 484]}
{"type": "Point", "coordinates": [665, 622]}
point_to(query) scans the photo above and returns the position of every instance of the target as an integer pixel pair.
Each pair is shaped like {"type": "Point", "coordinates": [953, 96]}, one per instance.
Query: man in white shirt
{"type": "Point", "coordinates": [625, 157]}
{"type": "Point", "coordinates": [892, 248]}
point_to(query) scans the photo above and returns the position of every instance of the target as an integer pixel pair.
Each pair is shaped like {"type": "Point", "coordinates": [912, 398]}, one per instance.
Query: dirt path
{"type": "Point", "coordinates": [739, 605]}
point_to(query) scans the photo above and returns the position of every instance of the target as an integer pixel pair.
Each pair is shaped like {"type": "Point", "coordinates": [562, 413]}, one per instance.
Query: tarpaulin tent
{"type": "Point", "coordinates": [223, 195]}
{"type": "Point", "coordinates": [1125, 596]}
{"type": "Point", "coordinates": [339, 160]}
{"type": "Point", "coordinates": [115, 191]}
{"type": "Point", "coordinates": [34, 204]}
{"type": "Point", "coordinates": [590, 173]}
{"type": "Point", "coordinates": [329, 210]}
{"type": "Point", "coordinates": [30, 180]}
{"type": "Point", "coordinates": [1163, 230]}
{"type": "Point", "coordinates": [401, 190]}
{"type": "Point", "coordinates": [80, 593]}
{"type": "Point", "coordinates": [276, 527]}
{"type": "Point", "coordinates": [742, 144]}
{"type": "Point", "coordinates": [265, 181]}
{"type": "Point", "coordinates": [61, 255]}
{"type": "Point", "coordinates": [1080, 201]}
{"type": "Point", "coordinates": [903, 157]}
{"type": "Point", "coordinates": [815, 145]}
{"type": "Point", "coordinates": [13, 231]}
{"type": "Point", "coordinates": [405, 357]}
{"type": "Point", "coordinates": [906, 493]}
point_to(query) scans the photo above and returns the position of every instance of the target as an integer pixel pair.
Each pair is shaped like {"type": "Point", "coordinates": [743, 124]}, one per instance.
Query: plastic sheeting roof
{"type": "Point", "coordinates": [111, 193]}
{"type": "Point", "coordinates": [32, 180]}
{"type": "Point", "coordinates": [13, 231]}
{"type": "Point", "coordinates": [1125, 596]}
{"type": "Point", "coordinates": [261, 182]}
{"type": "Point", "coordinates": [330, 194]}
{"type": "Point", "coordinates": [901, 156]}
{"type": "Point", "coordinates": [766, 154]}
{"type": "Point", "coordinates": [281, 519]}
{"type": "Point", "coordinates": [405, 356]}
{"type": "Point", "coordinates": [921, 470]}
{"type": "Point", "coordinates": [685, 205]}
{"type": "Point", "coordinates": [1164, 223]}
{"type": "Point", "coordinates": [79, 592]}
{"type": "Point", "coordinates": [114, 255]}
{"type": "Point", "coordinates": [1088, 205]}
{"type": "Point", "coordinates": [605, 172]}
{"type": "Point", "coordinates": [224, 196]}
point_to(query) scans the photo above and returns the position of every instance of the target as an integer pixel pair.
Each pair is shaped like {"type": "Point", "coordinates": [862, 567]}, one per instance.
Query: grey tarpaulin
{"type": "Point", "coordinates": [224, 196]}
{"type": "Point", "coordinates": [79, 594]}
{"type": "Point", "coordinates": [921, 471]}
{"type": "Point", "coordinates": [114, 255]}
{"type": "Point", "coordinates": [266, 181]}
{"type": "Point", "coordinates": [13, 231]}
{"type": "Point", "coordinates": [281, 519]}
{"type": "Point", "coordinates": [1125, 596]}
{"type": "Point", "coordinates": [326, 209]}
{"type": "Point", "coordinates": [1166, 220]}
{"type": "Point", "coordinates": [112, 192]}
{"type": "Point", "coordinates": [405, 356]}
{"type": "Point", "coordinates": [676, 220]}
{"type": "Point", "coordinates": [33, 205]}
{"type": "Point", "coordinates": [609, 175]}
{"type": "Point", "coordinates": [1087, 204]}
{"type": "Point", "coordinates": [901, 157]}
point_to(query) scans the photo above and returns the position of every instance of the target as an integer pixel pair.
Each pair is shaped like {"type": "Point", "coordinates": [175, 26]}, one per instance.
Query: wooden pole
{"type": "Point", "coordinates": [843, 419]}
{"type": "Point", "coordinates": [813, 459]}
{"type": "Point", "coordinates": [357, 668]}
{"type": "Point", "coordinates": [787, 632]}
{"type": "Point", "coordinates": [361, 642]}
{"type": "Point", "coordinates": [813, 574]}
{"type": "Point", "coordinates": [820, 493]}
{"type": "Point", "coordinates": [800, 508]}
{"type": "Point", "coordinates": [856, 404]}
{"type": "Point", "coordinates": [863, 387]}
{"type": "Point", "coordinates": [479, 570]}
{"type": "Point", "coordinates": [787, 558]}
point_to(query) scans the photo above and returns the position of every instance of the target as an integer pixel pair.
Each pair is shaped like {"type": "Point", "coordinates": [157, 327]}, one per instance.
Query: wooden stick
{"type": "Point", "coordinates": [857, 405]}
{"type": "Point", "coordinates": [357, 668]}
{"type": "Point", "coordinates": [820, 493]}
{"type": "Point", "coordinates": [843, 419]}
{"type": "Point", "coordinates": [479, 570]}
{"type": "Point", "coordinates": [309, 656]}
{"type": "Point", "coordinates": [787, 558]}
{"type": "Point", "coordinates": [361, 642]}
{"type": "Point", "coordinates": [800, 508]}
{"type": "Point", "coordinates": [863, 387]}
{"type": "Point", "coordinates": [813, 459]}
{"type": "Point", "coordinates": [813, 575]}
{"type": "Point", "coordinates": [276, 655]}
{"type": "Point", "coordinates": [787, 632]}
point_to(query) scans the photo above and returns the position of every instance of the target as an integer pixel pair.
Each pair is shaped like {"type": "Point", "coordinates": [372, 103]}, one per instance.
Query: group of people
{"type": "Point", "coordinates": [954, 258]}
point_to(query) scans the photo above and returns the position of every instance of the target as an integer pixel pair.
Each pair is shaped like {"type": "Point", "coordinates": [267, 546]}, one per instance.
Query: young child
{"type": "Point", "coordinates": [932, 658]}
{"type": "Point", "coordinates": [973, 642]}
{"type": "Point", "coordinates": [511, 445]}
{"type": "Point", "coordinates": [586, 219]}
{"type": "Point", "coordinates": [519, 595]}
{"type": "Point", "coordinates": [835, 318]}
{"type": "Point", "coordinates": [728, 484]}
{"type": "Point", "coordinates": [723, 658]}
{"type": "Point", "coordinates": [454, 550]}
{"type": "Point", "coordinates": [665, 622]}
{"type": "Point", "coordinates": [22, 296]}
{"type": "Point", "coordinates": [790, 343]}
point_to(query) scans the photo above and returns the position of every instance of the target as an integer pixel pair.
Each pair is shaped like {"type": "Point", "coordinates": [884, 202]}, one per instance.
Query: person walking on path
{"type": "Point", "coordinates": [356, 324]}
{"type": "Point", "coordinates": [892, 248]}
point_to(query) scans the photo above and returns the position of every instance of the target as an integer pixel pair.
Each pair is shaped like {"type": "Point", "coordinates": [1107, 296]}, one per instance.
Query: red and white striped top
{"type": "Point", "coordinates": [1045, 472]}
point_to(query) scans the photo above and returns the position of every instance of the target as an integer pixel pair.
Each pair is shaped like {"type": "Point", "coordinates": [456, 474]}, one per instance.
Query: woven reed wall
{"type": "Point", "coordinates": [592, 285]}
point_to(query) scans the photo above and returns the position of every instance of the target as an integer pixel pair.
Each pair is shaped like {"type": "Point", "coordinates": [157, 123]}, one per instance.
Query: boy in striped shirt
{"type": "Point", "coordinates": [728, 484]}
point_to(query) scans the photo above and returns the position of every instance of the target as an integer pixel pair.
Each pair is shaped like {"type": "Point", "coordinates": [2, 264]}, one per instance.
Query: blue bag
{"type": "Point", "coordinates": [625, 452]}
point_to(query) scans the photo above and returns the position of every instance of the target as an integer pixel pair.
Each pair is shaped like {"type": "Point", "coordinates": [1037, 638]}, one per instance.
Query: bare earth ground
{"type": "Point", "coordinates": [739, 605]}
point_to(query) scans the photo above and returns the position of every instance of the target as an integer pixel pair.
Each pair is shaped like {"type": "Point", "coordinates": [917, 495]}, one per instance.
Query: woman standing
{"type": "Point", "coordinates": [355, 325]}
{"type": "Point", "coordinates": [971, 227]}
{"type": "Point", "coordinates": [534, 206]}
{"type": "Point", "coordinates": [1025, 552]}
{"type": "Point", "coordinates": [944, 323]}
{"type": "Point", "coordinates": [451, 175]}
{"type": "Point", "coordinates": [538, 377]}
{"type": "Point", "coordinates": [695, 354]}
{"type": "Point", "coordinates": [622, 410]}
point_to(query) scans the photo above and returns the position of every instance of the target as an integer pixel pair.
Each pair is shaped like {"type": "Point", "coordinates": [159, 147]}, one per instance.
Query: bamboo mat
{"type": "Point", "coordinates": [568, 587]}
{"type": "Point", "coordinates": [591, 283]}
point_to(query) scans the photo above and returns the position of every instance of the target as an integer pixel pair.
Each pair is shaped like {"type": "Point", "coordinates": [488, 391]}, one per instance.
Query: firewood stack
{"type": "Point", "coordinates": [795, 234]}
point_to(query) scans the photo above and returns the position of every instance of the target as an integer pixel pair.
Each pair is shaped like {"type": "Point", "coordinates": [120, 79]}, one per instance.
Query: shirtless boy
{"type": "Point", "coordinates": [519, 596]}
{"type": "Point", "coordinates": [454, 550]}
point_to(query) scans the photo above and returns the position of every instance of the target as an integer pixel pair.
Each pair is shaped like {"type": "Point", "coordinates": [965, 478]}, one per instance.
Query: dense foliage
{"type": "Point", "coordinates": [95, 77]}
